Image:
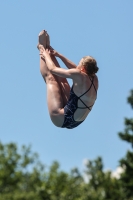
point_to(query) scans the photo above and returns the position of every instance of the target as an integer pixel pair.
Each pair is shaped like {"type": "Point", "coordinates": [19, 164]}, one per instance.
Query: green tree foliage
{"type": "Point", "coordinates": [23, 177]}
{"type": "Point", "coordinates": [130, 98]}
{"type": "Point", "coordinates": [127, 162]}
{"type": "Point", "coordinates": [61, 185]}
{"type": "Point", "coordinates": [101, 185]}
{"type": "Point", "coordinates": [15, 180]}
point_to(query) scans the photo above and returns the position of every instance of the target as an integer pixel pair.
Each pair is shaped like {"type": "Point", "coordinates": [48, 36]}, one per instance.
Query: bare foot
{"type": "Point", "coordinates": [42, 39]}
{"type": "Point", "coordinates": [47, 41]}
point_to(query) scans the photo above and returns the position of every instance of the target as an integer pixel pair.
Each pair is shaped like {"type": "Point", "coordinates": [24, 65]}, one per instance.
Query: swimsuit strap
{"type": "Point", "coordinates": [85, 105]}
{"type": "Point", "coordinates": [85, 93]}
{"type": "Point", "coordinates": [94, 87]}
{"type": "Point", "coordinates": [89, 87]}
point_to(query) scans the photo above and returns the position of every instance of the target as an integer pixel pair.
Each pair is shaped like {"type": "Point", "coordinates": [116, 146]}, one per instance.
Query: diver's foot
{"type": "Point", "coordinates": [42, 39]}
{"type": "Point", "coordinates": [47, 41]}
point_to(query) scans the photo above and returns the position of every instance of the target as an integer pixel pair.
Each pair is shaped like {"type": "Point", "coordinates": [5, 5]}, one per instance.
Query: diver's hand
{"type": "Point", "coordinates": [44, 52]}
{"type": "Point", "coordinates": [53, 52]}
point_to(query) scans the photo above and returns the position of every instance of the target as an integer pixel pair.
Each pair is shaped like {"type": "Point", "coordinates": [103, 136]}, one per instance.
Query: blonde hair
{"type": "Point", "coordinates": [90, 65]}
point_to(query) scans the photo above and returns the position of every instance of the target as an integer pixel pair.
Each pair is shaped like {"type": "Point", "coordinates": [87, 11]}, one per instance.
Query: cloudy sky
{"type": "Point", "coordinates": [103, 29]}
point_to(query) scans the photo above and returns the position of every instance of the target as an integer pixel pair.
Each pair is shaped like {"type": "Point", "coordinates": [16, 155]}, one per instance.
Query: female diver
{"type": "Point", "coordinates": [68, 107]}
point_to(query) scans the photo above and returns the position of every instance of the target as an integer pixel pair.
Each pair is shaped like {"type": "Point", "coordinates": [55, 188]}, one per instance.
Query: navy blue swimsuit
{"type": "Point", "coordinates": [72, 106]}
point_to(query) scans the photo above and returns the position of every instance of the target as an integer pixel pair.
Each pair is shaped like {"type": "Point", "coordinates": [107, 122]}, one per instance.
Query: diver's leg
{"type": "Point", "coordinates": [54, 96]}
{"type": "Point", "coordinates": [62, 82]}
{"type": "Point", "coordinates": [64, 85]}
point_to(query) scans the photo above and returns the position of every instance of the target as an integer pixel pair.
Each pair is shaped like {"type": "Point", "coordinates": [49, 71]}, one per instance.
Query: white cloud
{"type": "Point", "coordinates": [85, 162]}
{"type": "Point", "coordinates": [117, 172]}
{"type": "Point", "coordinates": [86, 177]}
